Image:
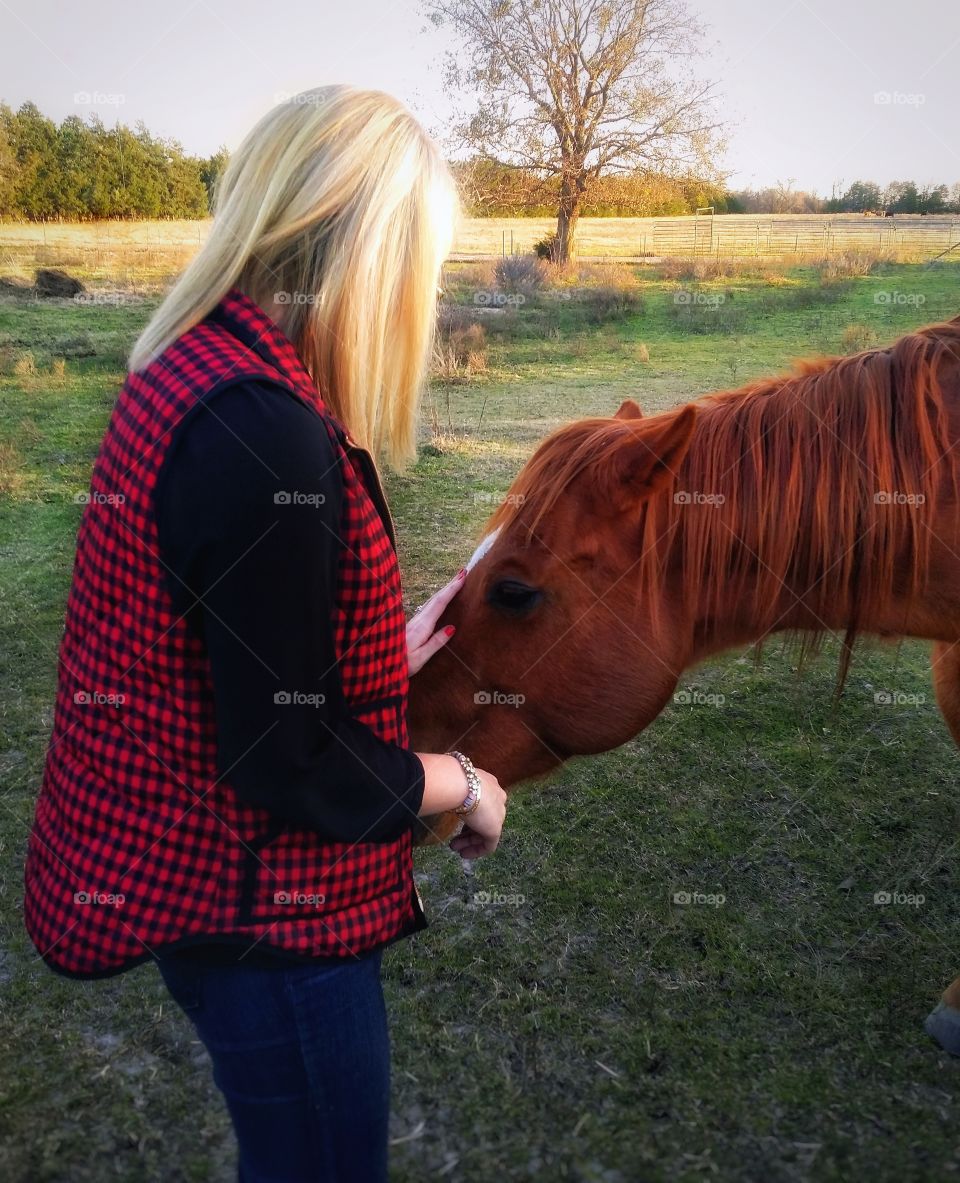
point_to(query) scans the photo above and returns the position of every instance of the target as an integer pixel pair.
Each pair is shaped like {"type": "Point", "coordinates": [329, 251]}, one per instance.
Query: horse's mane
{"type": "Point", "coordinates": [823, 481]}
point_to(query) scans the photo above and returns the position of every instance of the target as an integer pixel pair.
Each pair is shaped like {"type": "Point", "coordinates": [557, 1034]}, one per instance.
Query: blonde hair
{"type": "Point", "coordinates": [335, 216]}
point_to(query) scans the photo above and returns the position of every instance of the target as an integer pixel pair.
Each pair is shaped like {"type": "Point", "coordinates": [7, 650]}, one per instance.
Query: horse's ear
{"type": "Point", "coordinates": [649, 457]}
{"type": "Point", "coordinates": [629, 410]}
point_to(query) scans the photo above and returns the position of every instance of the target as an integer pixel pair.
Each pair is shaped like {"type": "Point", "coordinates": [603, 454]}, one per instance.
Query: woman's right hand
{"type": "Point", "coordinates": [481, 830]}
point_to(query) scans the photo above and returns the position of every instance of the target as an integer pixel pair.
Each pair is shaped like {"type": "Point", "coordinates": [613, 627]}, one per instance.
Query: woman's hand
{"type": "Point", "coordinates": [422, 641]}
{"type": "Point", "coordinates": [481, 830]}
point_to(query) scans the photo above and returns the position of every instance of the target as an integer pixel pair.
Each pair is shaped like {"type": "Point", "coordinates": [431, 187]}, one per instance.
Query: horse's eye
{"type": "Point", "coordinates": [514, 596]}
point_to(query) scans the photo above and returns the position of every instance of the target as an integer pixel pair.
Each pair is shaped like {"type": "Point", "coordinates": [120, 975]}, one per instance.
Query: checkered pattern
{"type": "Point", "coordinates": [135, 843]}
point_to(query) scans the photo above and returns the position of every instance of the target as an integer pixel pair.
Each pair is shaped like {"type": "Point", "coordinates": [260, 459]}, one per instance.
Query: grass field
{"type": "Point", "coordinates": [141, 255]}
{"type": "Point", "coordinates": [589, 1029]}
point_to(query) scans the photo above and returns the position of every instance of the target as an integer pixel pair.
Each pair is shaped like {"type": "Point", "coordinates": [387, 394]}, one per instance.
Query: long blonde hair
{"type": "Point", "coordinates": [335, 216]}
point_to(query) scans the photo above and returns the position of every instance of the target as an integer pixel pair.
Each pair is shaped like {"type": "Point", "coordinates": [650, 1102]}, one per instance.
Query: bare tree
{"type": "Point", "coordinates": [573, 89]}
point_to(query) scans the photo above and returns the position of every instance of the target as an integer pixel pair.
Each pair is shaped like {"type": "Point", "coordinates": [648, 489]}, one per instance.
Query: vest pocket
{"type": "Point", "coordinates": [296, 875]}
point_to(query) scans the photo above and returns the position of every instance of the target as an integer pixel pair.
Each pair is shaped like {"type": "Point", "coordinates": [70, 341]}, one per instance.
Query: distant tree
{"type": "Point", "coordinates": [576, 89]}
{"type": "Point", "coordinates": [8, 164]}
{"type": "Point", "coordinates": [901, 197]}
{"type": "Point", "coordinates": [211, 170]}
{"type": "Point", "coordinates": [34, 140]}
{"type": "Point", "coordinates": [934, 199]}
{"type": "Point", "coordinates": [862, 197]}
{"type": "Point", "coordinates": [778, 199]}
{"type": "Point", "coordinates": [74, 164]}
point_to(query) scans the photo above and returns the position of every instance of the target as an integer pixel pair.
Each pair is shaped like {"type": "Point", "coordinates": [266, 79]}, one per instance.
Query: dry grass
{"type": "Point", "coordinates": [142, 256]}
{"type": "Point", "coordinates": [857, 337]}
{"type": "Point", "coordinates": [12, 477]}
{"type": "Point", "coordinates": [850, 264]}
{"type": "Point", "coordinates": [700, 268]}
{"type": "Point", "coordinates": [460, 350]}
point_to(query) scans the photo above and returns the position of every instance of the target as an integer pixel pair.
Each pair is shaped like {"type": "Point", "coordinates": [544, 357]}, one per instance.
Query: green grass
{"type": "Point", "coordinates": [596, 1030]}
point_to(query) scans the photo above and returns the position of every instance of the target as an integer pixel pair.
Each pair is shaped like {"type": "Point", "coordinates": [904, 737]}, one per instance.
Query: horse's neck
{"type": "Point", "coordinates": [772, 546]}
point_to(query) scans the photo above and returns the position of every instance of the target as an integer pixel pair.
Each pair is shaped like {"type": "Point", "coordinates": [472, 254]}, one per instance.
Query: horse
{"type": "Point", "coordinates": [825, 500]}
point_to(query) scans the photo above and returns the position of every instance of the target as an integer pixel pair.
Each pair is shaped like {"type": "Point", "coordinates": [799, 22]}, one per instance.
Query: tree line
{"type": "Point", "coordinates": [81, 170]}
{"type": "Point", "coordinates": [862, 197]}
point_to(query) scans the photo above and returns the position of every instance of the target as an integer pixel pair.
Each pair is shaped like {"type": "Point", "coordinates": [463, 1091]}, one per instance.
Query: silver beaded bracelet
{"type": "Point", "coordinates": [474, 787]}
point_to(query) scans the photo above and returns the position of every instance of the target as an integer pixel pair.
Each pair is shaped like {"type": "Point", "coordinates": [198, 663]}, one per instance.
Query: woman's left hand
{"type": "Point", "coordinates": [422, 641]}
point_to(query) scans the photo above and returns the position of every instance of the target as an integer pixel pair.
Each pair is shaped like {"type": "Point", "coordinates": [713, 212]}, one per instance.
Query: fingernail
{"type": "Point", "coordinates": [450, 630]}
{"type": "Point", "coordinates": [461, 574]}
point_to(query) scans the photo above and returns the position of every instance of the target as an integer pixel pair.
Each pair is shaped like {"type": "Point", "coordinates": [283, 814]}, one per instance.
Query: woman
{"type": "Point", "coordinates": [229, 787]}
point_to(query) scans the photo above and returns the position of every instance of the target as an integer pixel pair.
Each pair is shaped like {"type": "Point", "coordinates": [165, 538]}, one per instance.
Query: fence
{"type": "Point", "coordinates": [796, 235]}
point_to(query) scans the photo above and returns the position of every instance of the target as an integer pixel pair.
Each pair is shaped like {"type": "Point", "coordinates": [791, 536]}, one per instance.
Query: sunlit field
{"type": "Point", "coordinates": [142, 254]}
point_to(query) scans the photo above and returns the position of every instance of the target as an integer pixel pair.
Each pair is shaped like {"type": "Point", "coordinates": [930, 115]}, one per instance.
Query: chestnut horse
{"type": "Point", "coordinates": [631, 548]}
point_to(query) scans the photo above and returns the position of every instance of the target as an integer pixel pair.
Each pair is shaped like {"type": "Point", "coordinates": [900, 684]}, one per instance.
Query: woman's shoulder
{"type": "Point", "coordinates": [246, 449]}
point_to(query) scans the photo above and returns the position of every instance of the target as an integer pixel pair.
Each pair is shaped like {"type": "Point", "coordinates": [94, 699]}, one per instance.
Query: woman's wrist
{"type": "Point", "coordinates": [445, 785]}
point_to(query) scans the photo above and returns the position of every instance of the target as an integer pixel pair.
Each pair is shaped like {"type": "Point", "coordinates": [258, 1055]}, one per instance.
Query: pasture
{"type": "Point", "coordinates": [140, 255]}
{"type": "Point", "coordinates": [676, 967]}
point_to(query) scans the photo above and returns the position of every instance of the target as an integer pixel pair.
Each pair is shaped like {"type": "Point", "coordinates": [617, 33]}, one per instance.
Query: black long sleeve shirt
{"type": "Point", "coordinates": [248, 511]}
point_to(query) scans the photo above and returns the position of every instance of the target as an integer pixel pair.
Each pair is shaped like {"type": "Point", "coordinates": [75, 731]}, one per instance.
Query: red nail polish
{"type": "Point", "coordinates": [461, 574]}
{"type": "Point", "coordinates": [450, 630]}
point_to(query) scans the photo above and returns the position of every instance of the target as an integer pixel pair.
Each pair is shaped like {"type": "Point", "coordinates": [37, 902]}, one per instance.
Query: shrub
{"type": "Point", "coordinates": [621, 276]}
{"type": "Point", "coordinates": [605, 304]}
{"type": "Point", "coordinates": [848, 264]}
{"type": "Point", "coordinates": [520, 273]}
{"type": "Point", "coordinates": [547, 247]}
{"type": "Point", "coordinates": [460, 350]}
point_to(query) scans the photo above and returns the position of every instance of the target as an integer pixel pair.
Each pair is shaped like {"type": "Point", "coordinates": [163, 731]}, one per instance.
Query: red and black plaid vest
{"type": "Point", "coordinates": [137, 844]}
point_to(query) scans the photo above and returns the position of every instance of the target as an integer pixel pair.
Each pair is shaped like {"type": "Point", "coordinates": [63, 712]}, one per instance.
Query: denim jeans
{"type": "Point", "coordinates": [302, 1057]}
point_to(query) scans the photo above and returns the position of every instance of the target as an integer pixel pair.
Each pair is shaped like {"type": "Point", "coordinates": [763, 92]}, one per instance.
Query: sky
{"type": "Point", "coordinates": [815, 92]}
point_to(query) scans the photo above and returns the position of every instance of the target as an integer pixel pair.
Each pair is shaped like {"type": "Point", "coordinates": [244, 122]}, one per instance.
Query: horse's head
{"type": "Point", "coordinates": [556, 651]}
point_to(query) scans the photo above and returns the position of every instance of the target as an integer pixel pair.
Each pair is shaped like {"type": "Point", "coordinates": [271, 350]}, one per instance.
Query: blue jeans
{"type": "Point", "coordinates": [302, 1057]}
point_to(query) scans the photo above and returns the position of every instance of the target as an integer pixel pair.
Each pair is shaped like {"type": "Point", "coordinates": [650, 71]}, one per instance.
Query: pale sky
{"type": "Point", "coordinates": [816, 91]}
